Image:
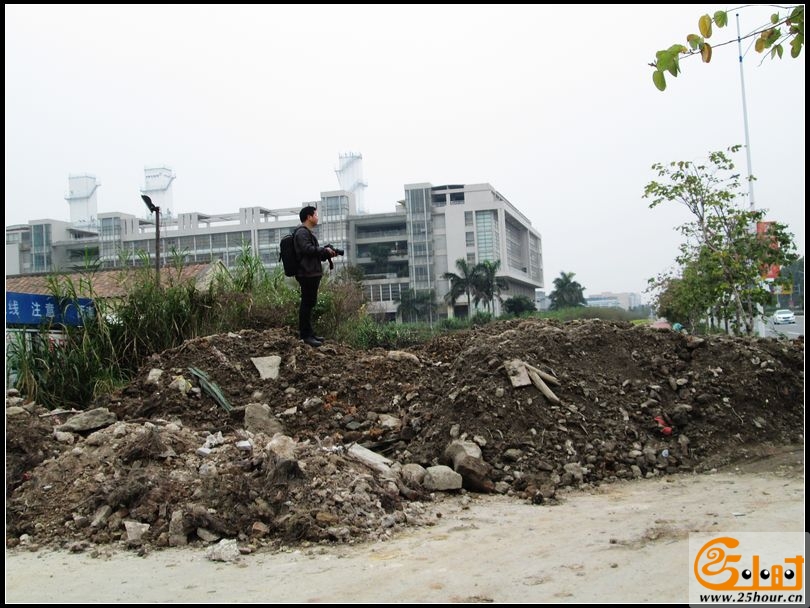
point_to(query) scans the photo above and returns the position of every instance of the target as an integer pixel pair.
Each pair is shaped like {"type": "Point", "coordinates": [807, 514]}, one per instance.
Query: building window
{"type": "Point", "coordinates": [185, 243]}
{"type": "Point", "coordinates": [468, 218]}
{"type": "Point", "coordinates": [42, 236]}
{"type": "Point", "coordinates": [266, 237]}
{"type": "Point", "coordinates": [470, 239]}
{"type": "Point", "coordinates": [218, 241]}
{"type": "Point", "coordinates": [486, 228]}
{"type": "Point", "coordinates": [169, 244]}
{"type": "Point", "coordinates": [203, 242]}
{"type": "Point", "coordinates": [110, 228]}
{"type": "Point", "coordinates": [236, 240]}
{"type": "Point", "coordinates": [335, 208]}
{"type": "Point", "coordinates": [416, 203]}
{"type": "Point", "coordinates": [516, 255]}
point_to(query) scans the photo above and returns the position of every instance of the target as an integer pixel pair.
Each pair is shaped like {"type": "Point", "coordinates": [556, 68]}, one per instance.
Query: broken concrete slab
{"type": "Point", "coordinates": [267, 366]}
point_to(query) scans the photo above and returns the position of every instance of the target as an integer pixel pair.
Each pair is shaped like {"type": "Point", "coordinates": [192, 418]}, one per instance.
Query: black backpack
{"type": "Point", "coordinates": [287, 255]}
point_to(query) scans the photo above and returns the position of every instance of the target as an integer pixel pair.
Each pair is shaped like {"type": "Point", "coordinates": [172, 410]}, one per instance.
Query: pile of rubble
{"type": "Point", "coordinates": [258, 438]}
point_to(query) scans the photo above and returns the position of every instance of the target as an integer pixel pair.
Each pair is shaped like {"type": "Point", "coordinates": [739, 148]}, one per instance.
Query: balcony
{"type": "Point", "coordinates": [387, 233]}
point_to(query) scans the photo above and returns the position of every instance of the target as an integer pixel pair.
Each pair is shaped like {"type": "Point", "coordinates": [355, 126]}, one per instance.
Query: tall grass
{"type": "Point", "coordinates": [341, 305]}
{"type": "Point", "coordinates": [73, 366]}
{"type": "Point", "coordinates": [153, 317]}
{"type": "Point", "coordinates": [77, 364]}
{"type": "Point", "coordinates": [116, 336]}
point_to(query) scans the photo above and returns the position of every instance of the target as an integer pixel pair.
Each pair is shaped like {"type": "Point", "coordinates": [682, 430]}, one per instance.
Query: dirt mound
{"type": "Point", "coordinates": [206, 448]}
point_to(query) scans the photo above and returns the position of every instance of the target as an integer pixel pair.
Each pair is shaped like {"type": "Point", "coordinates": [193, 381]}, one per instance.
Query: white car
{"type": "Point", "coordinates": [783, 316]}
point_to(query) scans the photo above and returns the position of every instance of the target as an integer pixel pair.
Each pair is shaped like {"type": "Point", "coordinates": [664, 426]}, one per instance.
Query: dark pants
{"type": "Point", "coordinates": [309, 297]}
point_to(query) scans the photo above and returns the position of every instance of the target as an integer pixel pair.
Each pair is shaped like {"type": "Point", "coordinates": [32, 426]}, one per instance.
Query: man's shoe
{"type": "Point", "coordinates": [312, 341]}
{"type": "Point", "coordinates": [320, 338]}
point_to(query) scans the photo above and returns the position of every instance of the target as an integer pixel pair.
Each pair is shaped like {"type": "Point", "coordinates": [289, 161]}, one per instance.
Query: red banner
{"type": "Point", "coordinates": [772, 271]}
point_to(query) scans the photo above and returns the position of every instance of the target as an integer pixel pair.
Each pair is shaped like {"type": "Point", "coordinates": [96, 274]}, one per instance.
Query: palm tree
{"type": "Point", "coordinates": [488, 285]}
{"type": "Point", "coordinates": [567, 292]}
{"type": "Point", "coordinates": [414, 304]}
{"type": "Point", "coordinates": [462, 283]}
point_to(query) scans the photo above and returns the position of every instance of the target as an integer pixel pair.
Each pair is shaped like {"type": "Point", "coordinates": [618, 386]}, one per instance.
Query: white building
{"type": "Point", "coordinates": [82, 197]}
{"type": "Point", "coordinates": [158, 187]}
{"type": "Point", "coordinates": [411, 247]}
{"type": "Point", "coordinates": [607, 299]}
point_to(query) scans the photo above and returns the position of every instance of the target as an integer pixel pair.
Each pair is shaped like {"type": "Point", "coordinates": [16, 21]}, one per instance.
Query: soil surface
{"type": "Point", "coordinates": [623, 542]}
{"type": "Point", "coordinates": [339, 446]}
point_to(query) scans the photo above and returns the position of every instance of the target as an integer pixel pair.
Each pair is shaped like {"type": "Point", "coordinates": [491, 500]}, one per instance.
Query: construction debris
{"type": "Point", "coordinates": [355, 445]}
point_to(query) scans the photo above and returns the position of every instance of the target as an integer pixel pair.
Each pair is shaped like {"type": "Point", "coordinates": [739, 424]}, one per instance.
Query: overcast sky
{"type": "Point", "coordinates": [554, 107]}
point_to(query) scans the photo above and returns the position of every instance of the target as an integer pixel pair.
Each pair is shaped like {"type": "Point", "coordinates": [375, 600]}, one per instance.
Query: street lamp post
{"type": "Point", "coordinates": [759, 324]}
{"type": "Point", "coordinates": [156, 210]}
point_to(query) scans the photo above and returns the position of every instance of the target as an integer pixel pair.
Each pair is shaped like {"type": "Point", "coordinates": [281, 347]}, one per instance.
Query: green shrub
{"type": "Point", "coordinates": [454, 323]}
{"type": "Point", "coordinates": [480, 318]}
{"type": "Point", "coordinates": [364, 332]}
{"type": "Point", "coordinates": [340, 303]}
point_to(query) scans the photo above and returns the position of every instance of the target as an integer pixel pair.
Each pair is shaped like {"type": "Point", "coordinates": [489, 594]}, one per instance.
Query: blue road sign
{"type": "Point", "coordinates": [36, 309]}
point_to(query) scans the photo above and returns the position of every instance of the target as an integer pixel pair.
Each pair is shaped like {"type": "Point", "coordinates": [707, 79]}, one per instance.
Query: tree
{"type": "Point", "coordinates": [793, 283]}
{"type": "Point", "coordinates": [723, 256]}
{"type": "Point", "coordinates": [567, 292]}
{"type": "Point", "coordinates": [517, 305]}
{"type": "Point", "coordinates": [462, 283]}
{"type": "Point", "coordinates": [415, 304]}
{"type": "Point", "coordinates": [771, 37]}
{"type": "Point", "coordinates": [488, 285]}
{"type": "Point", "coordinates": [687, 297]}
{"type": "Point", "coordinates": [379, 253]}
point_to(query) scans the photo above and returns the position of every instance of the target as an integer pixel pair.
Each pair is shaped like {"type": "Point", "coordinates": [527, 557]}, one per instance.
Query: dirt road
{"type": "Point", "coordinates": [625, 542]}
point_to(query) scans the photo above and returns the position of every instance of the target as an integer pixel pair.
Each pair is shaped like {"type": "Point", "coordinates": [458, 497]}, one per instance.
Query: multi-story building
{"type": "Point", "coordinates": [541, 300]}
{"type": "Point", "coordinates": [409, 248]}
{"type": "Point", "coordinates": [625, 300]}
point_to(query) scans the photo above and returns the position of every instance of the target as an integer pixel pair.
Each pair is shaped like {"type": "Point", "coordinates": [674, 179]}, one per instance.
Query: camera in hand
{"type": "Point", "coordinates": [335, 249]}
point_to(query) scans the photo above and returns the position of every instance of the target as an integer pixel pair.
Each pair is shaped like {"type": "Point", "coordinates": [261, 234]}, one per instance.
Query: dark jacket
{"type": "Point", "coordinates": [310, 255]}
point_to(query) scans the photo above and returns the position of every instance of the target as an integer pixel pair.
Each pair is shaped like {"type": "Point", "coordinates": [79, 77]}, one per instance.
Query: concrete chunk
{"type": "Point", "coordinates": [373, 460]}
{"type": "Point", "coordinates": [517, 372]}
{"type": "Point", "coordinates": [442, 478]}
{"type": "Point", "coordinates": [267, 366]}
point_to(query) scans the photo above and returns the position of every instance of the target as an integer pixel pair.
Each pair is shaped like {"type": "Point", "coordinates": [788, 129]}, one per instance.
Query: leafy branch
{"type": "Point", "coordinates": [781, 29]}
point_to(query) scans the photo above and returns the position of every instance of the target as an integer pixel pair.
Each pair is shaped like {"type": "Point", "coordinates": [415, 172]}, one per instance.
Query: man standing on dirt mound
{"type": "Point", "coordinates": [310, 271]}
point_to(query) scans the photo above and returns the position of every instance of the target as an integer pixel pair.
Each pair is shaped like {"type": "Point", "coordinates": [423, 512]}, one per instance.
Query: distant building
{"type": "Point", "coordinates": [541, 300]}
{"type": "Point", "coordinates": [18, 249]}
{"type": "Point", "coordinates": [409, 248]}
{"type": "Point", "coordinates": [350, 178]}
{"type": "Point", "coordinates": [82, 199]}
{"type": "Point", "coordinates": [627, 301]}
{"type": "Point", "coordinates": [157, 186]}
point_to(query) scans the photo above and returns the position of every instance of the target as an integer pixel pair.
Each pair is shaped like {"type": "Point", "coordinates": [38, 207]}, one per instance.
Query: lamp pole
{"type": "Point", "coordinates": [751, 204]}
{"type": "Point", "coordinates": [156, 210]}
{"type": "Point", "coordinates": [759, 325]}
